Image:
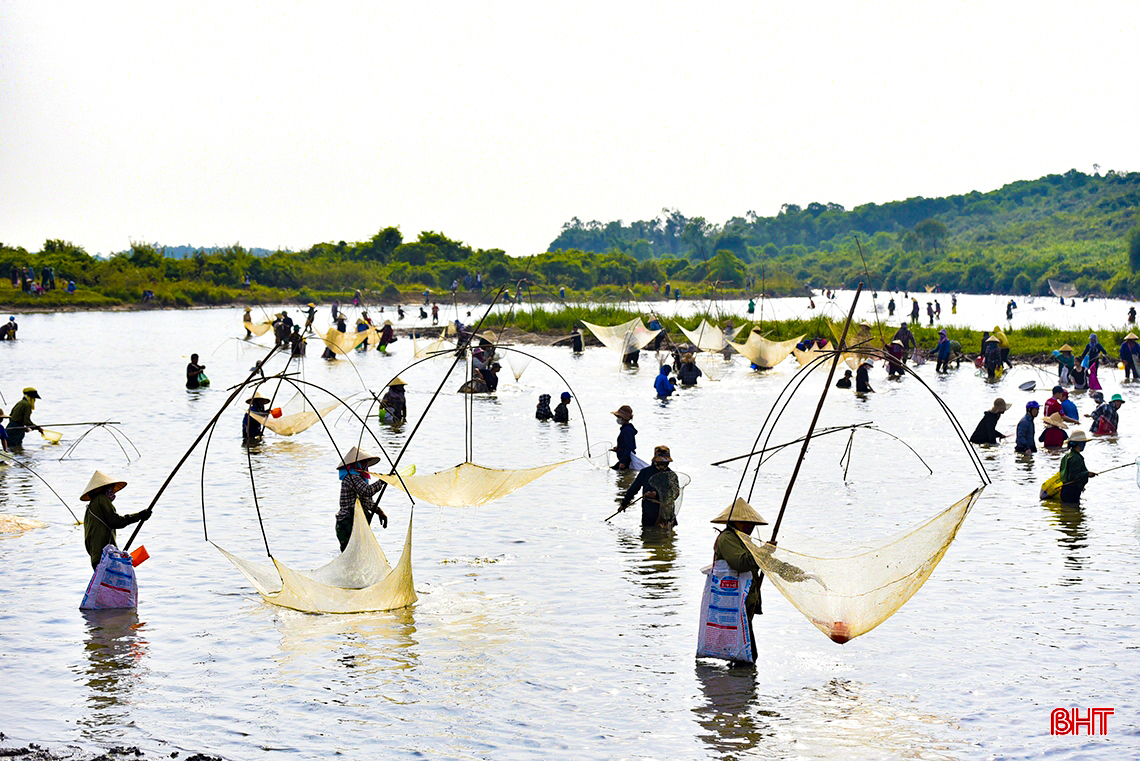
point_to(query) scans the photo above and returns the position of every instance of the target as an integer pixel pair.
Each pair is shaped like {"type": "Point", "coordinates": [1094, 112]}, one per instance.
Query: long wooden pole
{"type": "Point", "coordinates": [238, 389]}
{"type": "Point", "coordinates": [815, 417]}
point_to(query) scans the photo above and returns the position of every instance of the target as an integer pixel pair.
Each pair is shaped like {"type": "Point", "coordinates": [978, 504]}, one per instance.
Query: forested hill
{"type": "Point", "coordinates": [1072, 227]}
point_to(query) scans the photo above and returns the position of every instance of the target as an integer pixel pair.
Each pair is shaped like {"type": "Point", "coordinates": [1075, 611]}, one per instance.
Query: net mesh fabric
{"type": "Point", "coordinates": [11, 524]}
{"type": "Point", "coordinates": [623, 338]}
{"type": "Point", "coordinates": [296, 415]}
{"type": "Point", "coordinates": [518, 363]}
{"type": "Point", "coordinates": [259, 329]}
{"type": "Point", "coordinates": [764, 353]}
{"type": "Point", "coordinates": [468, 484]}
{"type": "Point", "coordinates": [804, 356]}
{"type": "Point", "coordinates": [845, 595]}
{"type": "Point", "coordinates": [707, 337]}
{"type": "Point", "coordinates": [357, 580]}
{"type": "Point", "coordinates": [342, 342]}
{"type": "Point", "coordinates": [670, 487]}
{"type": "Point", "coordinates": [1062, 290]}
{"type": "Point", "coordinates": [439, 347]}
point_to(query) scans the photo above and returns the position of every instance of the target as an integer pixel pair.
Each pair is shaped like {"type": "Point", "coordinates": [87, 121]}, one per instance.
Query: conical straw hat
{"type": "Point", "coordinates": [356, 455]}
{"type": "Point", "coordinates": [1131, 337]}
{"type": "Point", "coordinates": [490, 336]}
{"type": "Point", "coordinates": [740, 511]}
{"type": "Point", "coordinates": [398, 382]}
{"type": "Point", "coordinates": [257, 397]}
{"type": "Point", "coordinates": [1055, 420]}
{"type": "Point", "coordinates": [98, 481]}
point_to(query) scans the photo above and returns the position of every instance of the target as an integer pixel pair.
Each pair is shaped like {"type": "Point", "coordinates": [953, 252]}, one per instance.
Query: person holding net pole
{"type": "Point", "coordinates": [659, 487]}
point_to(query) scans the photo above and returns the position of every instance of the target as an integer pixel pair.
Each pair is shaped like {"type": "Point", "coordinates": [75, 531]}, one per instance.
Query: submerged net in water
{"type": "Point", "coordinates": [296, 415]}
{"type": "Point", "coordinates": [624, 338]}
{"type": "Point", "coordinates": [847, 591]}
{"type": "Point", "coordinates": [358, 580]}
{"type": "Point", "coordinates": [342, 342]}
{"type": "Point", "coordinates": [259, 329]}
{"type": "Point", "coordinates": [764, 353]}
{"type": "Point", "coordinates": [467, 484]}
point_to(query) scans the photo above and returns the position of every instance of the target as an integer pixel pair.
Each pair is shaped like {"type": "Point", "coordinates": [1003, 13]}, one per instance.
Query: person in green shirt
{"type": "Point", "coordinates": [20, 421]}
{"type": "Point", "coordinates": [101, 520]}
{"type": "Point", "coordinates": [1074, 473]}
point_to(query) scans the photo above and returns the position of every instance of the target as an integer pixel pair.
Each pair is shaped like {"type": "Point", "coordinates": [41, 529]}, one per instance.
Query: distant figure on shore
{"type": "Point", "coordinates": [1131, 315]}
{"type": "Point", "coordinates": [891, 307]}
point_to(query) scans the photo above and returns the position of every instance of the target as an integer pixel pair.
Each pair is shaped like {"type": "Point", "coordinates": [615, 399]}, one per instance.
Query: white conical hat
{"type": "Point", "coordinates": [490, 336]}
{"type": "Point", "coordinates": [358, 455]}
{"type": "Point", "coordinates": [740, 511]}
{"type": "Point", "coordinates": [98, 481]}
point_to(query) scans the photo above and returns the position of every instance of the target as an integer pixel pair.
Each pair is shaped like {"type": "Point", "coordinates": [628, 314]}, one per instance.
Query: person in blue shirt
{"type": "Point", "coordinates": [663, 384]}
{"type": "Point", "coordinates": [1026, 431]}
{"type": "Point", "coordinates": [943, 365]}
{"type": "Point", "coordinates": [1069, 407]}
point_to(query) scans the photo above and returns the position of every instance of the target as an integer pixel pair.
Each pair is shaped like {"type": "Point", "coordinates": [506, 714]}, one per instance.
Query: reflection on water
{"type": "Point", "coordinates": [1073, 538]}
{"type": "Point", "coordinates": [115, 649]}
{"type": "Point", "coordinates": [650, 556]}
{"type": "Point", "coordinates": [735, 722]}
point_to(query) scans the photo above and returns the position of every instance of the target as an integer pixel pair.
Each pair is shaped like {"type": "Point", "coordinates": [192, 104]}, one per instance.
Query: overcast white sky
{"type": "Point", "coordinates": [285, 124]}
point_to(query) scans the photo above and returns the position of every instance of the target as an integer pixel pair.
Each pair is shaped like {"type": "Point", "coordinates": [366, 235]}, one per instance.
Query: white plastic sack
{"type": "Point", "coordinates": [113, 584]}
{"type": "Point", "coordinates": [724, 621]}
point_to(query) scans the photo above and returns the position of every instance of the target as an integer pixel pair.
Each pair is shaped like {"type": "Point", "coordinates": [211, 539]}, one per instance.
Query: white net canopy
{"type": "Point", "coordinates": [805, 356]}
{"type": "Point", "coordinates": [518, 363]}
{"type": "Point", "coordinates": [624, 338]}
{"type": "Point", "coordinates": [259, 329]}
{"type": "Point", "coordinates": [296, 415]}
{"type": "Point", "coordinates": [342, 342]}
{"type": "Point", "coordinates": [358, 580]}
{"type": "Point", "coordinates": [847, 591]}
{"type": "Point", "coordinates": [764, 353]}
{"type": "Point", "coordinates": [707, 337]}
{"type": "Point", "coordinates": [1062, 290]}
{"type": "Point", "coordinates": [468, 484]}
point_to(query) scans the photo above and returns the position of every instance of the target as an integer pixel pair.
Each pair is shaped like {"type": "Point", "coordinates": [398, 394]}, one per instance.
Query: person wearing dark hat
{"type": "Point", "coordinates": [8, 329]}
{"type": "Point", "coordinates": [1026, 430]}
{"type": "Point", "coordinates": [863, 377]}
{"type": "Point", "coordinates": [562, 410]}
{"type": "Point", "coordinates": [626, 441]}
{"type": "Point", "coordinates": [20, 421]}
{"type": "Point", "coordinates": [101, 519]}
{"type": "Point", "coordinates": [1130, 355]}
{"type": "Point", "coordinates": [687, 371]}
{"type": "Point", "coordinates": [1074, 473]}
{"type": "Point", "coordinates": [845, 381]}
{"type": "Point", "coordinates": [650, 500]}
{"type": "Point", "coordinates": [354, 477]}
{"type": "Point", "coordinates": [296, 342]}
{"type": "Point", "coordinates": [394, 401]}
{"type": "Point", "coordinates": [663, 384]}
{"type": "Point", "coordinates": [1105, 417]}
{"type": "Point", "coordinates": [193, 371]}
{"type": "Point", "coordinates": [986, 432]}
{"type": "Point", "coordinates": [251, 428]}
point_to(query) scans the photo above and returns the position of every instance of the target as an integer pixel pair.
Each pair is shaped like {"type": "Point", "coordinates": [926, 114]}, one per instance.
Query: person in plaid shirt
{"type": "Point", "coordinates": [354, 485]}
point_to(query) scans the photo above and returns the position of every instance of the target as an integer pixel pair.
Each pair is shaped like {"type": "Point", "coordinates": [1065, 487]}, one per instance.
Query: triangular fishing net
{"type": "Point", "coordinates": [439, 347]}
{"type": "Point", "coordinates": [764, 353]}
{"type": "Point", "coordinates": [806, 356]}
{"type": "Point", "coordinates": [859, 335]}
{"type": "Point", "coordinates": [848, 590]}
{"type": "Point", "coordinates": [297, 415]}
{"type": "Point", "coordinates": [518, 363]}
{"type": "Point", "coordinates": [467, 484]}
{"type": "Point", "coordinates": [1062, 290]}
{"type": "Point", "coordinates": [707, 337]}
{"type": "Point", "coordinates": [259, 329]}
{"type": "Point", "coordinates": [624, 338]}
{"type": "Point", "coordinates": [358, 580]}
{"type": "Point", "coordinates": [342, 342]}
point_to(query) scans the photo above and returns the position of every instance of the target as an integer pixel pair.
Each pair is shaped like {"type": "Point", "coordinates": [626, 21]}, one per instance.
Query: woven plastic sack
{"type": "Point", "coordinates": [724, 621]}
{"type": "Point", "coordinates": [113, 584]}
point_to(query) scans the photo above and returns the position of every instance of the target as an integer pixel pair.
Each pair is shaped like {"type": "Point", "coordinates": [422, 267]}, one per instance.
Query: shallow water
{"type": "Point", "coordinates": [541, 631]}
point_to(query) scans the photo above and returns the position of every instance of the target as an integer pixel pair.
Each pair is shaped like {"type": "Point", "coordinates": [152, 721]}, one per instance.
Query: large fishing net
{"type": "Point", "coordinates": [518, 363]}
{"type": "Point", "coordinates": [259, 329]}
{"type": "Point", "coordinates": [1062, 290]}
{"type": "Point", "coordinates": [624, 338]}
{"type": "Point", "coordinates": [847, 590]}
{"type": "Point", "coordinates": [296, 415]}
{"type": "Point", "coordinates": [358, 580]}
{"type": "Point", "coordinates": [438, 347]}
{"type": "Point", "coordinates": [342, 342]}
{"type": "Point", "coordinates": [670, 487]}
{"type": "Point", "coordinates": [707, 337]}
{"type": "Point", "coordinates": [467, 484]}
{"type": "Point", "coordinates": [764, 353]}
{"type": "Point", "coordinates": [807, 356]}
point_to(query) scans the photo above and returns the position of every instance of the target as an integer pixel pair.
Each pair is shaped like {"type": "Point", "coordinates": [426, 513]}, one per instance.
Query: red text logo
{"type": "Point", "coordinates": [1068, 721]}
